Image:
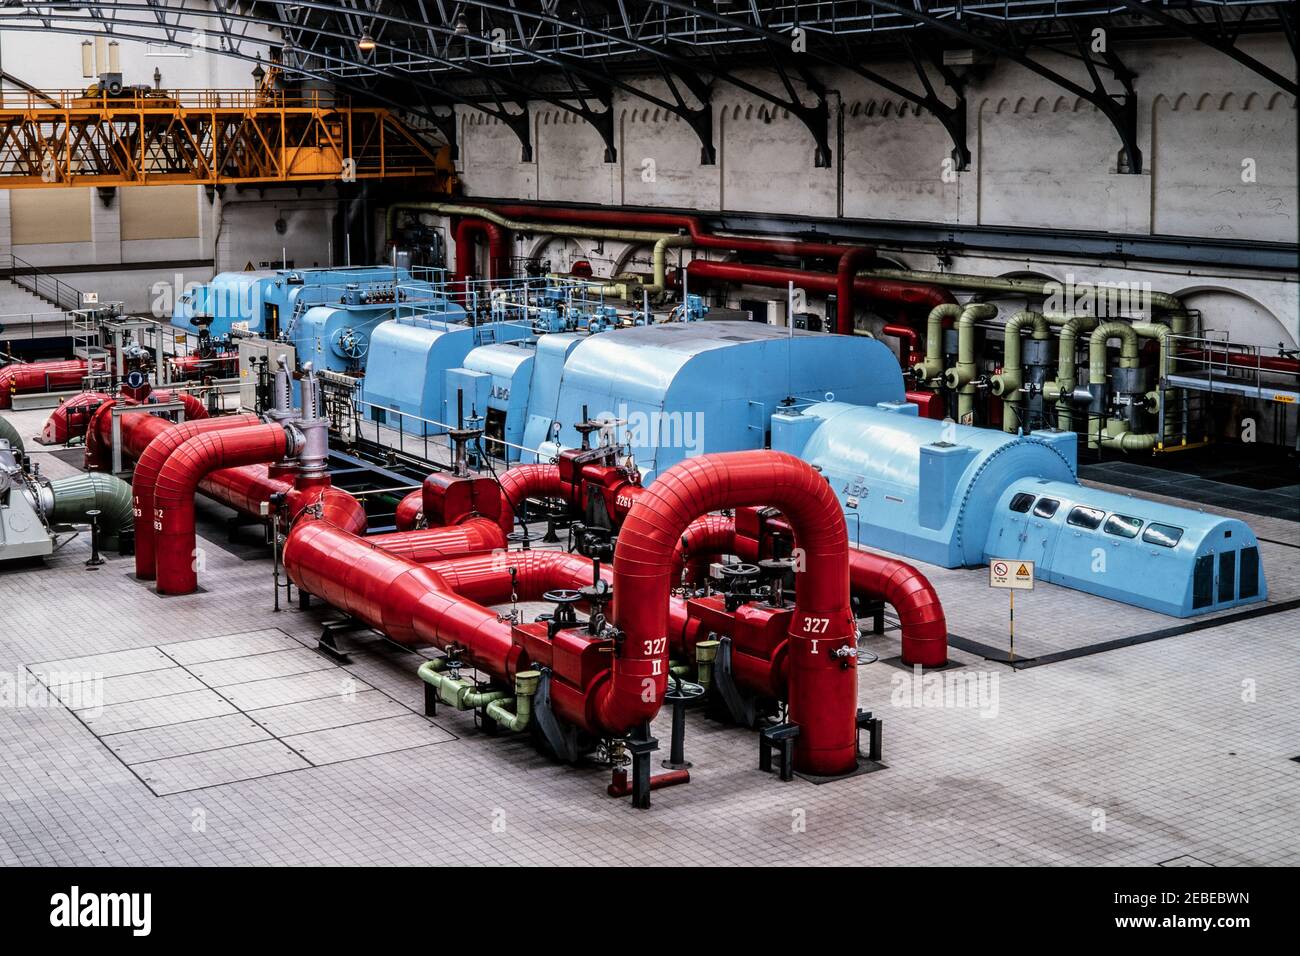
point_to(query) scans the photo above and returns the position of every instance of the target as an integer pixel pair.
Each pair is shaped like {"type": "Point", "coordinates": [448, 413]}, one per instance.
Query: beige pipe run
{"type": "Point", "coordinates": [1116, 435]}
{"type": "Point", "coordinates": [663, 241]}
{"type": "Point", "coordinates": [962, 376]}
{"type": "Point", "coordinates": [1008, 384]}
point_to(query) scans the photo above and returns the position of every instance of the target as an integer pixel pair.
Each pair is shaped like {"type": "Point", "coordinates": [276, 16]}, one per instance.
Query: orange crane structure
{"type": "Point", "coordinates": [141, 136]}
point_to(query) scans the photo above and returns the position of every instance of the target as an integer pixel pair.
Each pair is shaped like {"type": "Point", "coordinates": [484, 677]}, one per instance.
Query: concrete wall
{"type": "Point", "coordinates": [1041, 158]}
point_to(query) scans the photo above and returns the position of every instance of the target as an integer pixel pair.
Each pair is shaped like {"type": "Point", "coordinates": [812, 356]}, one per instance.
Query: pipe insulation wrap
{"type": "Point", "coordinates": [822, 674]}
{"type": "Point", "coordinates": [145, 478]}
{"type": "Point", "coordinates": [10, 434]}
{"type": "Point", "coordinates": [178, 482]}
{"type": "Point", "coordinates": [75, 495]}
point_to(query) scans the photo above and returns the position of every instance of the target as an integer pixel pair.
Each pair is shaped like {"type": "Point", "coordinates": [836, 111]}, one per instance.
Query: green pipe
{"type": "Point", "coordinates": [462, 694]}
{"type": "Point", "coordinates": [662, 241]}
{"type": "Point", "coordinates": [962, 376]}
{"type": "Point", "coordinates": [1101, 335]}
{"type": "Point", "coordinates": [932, 367]}
{"type": "Point", "coordinates": [1062, 389]}
{"type": "Point", "coordinates": [706, 652]}
{"type": "Point", "coordinates": [1011, 381]}
{"type": "Point", "coordinates": [10, 434]}
{"type": "Point", "coordinates": [73, 496]}
{"type": "Point", "coordinates": [518, 719]}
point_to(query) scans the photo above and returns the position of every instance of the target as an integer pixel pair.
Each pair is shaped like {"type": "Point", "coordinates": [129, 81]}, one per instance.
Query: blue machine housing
{"type": "Point", "coordinates": [508, 373]}
{"type": "Point", "coordinates": [913, 485]}
{"type": "Point", "coordinates": [276, 300]}
{"type": "Point", "coordinates": [689, 388]}
{"type": "Point", "coordinates": [944, 493]}
{"type": "Point", "coordinates": [1173, 560]}
{"type": "Point", "coordinates": [408, 363]}
{"type": "Point", "coordinates": [337, 337]}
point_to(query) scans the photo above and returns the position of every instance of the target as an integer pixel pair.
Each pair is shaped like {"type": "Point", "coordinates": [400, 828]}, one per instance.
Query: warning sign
{"type": "Point", "coordinates": [1012, 574]}
{"type": "Point", "coordinates": [249, 267]}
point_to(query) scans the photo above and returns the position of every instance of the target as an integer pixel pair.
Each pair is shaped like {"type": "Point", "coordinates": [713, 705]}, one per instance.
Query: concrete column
{"type": "Point", "coordinates": [106, 227]}
{"type": "Point", "coordinates": [6, 225]}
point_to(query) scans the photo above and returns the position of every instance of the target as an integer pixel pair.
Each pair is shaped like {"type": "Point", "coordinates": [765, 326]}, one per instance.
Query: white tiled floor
{"type": "Point", "coordinates": [1180, 747]}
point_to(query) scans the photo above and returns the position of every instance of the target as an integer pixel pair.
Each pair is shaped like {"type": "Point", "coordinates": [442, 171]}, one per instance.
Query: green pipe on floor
{"type": "Point", "coordinates": [73, 496]}
{"type": "Point", "coordinates": [461, 693]}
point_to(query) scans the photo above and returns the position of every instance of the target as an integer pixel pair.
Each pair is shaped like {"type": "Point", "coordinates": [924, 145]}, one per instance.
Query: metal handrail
{"type": "Point", "coordinates": [42, 284]}
{"type": "Point", "coordinates": [157, 99]}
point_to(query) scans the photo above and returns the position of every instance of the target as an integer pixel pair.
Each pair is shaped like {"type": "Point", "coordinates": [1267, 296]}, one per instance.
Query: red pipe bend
{"type": "Point", "coordinates": [194, 409]}
{"type": "Point", "coordinates": [485, 578]}
{"type": "Point", "coordinates": [822, 685]}
{"type": "Point", "coordinates": [72, 418]}
{"type": "Point", "coordinates": [179, 481]}
{"type": "Point", "coordinates": [410, 511]}
{"type": "Point", "coordinates": [146, 474]}
{"type": "Point", "coordinates": [498, 256]}
{"type": "Point", "coordinates": [432, 544]}
{"type": "Point", "coordinates": [922, 623]}
{"type": "Point", "coordinates": [529, 481]}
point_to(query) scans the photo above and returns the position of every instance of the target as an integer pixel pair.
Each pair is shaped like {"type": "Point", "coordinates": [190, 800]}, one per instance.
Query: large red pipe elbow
{"type": "Point", "coordinates": [498, 249]}
{"type": "Point", "coordinates": [822, 673]}
{"type": "Point", "coordinates": [921, 619]}
{"type": "Point", "coordinates": [72, 418]}
{"type": "Point", "coordinates": [846, 273]}
{"type": "Point", "coordinates": [178, 482]}
{"type": "Point", "coordinates": [146, 474]}
{"type": "Point", "coordinates": [529, 481]}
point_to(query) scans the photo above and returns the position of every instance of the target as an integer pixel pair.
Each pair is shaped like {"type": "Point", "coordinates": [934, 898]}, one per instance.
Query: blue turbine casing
{"type": "Point", "coordinates": [913, 485]}
{"type": "Point", "coordinates": [1215, 564]}
{"type": "Point", "coordinates": [510, 371]}
{"type": "Point", "coordinates": [688, 388]}
{"type": "Point", "coordinates": [408, 363]}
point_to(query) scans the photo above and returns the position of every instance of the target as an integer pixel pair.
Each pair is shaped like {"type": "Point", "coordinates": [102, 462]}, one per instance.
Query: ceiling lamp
{"type": "Point", "coordinates": [366, 44]}
{"type": "Point", "coordinates": [462, 27]}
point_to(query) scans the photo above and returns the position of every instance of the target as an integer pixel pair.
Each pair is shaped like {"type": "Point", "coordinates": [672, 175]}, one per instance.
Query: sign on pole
{"type": "Point", "coordinates": [1012, 574]}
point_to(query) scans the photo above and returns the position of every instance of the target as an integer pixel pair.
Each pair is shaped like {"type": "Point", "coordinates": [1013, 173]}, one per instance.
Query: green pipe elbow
{"type": "Point", "coordinates": [932, 367]}
{"type": "Point", "coordinates": [518, 718]}
{"type": "Point", "coordinates": [1102, 334]}
{"type": "Point", "coordinates": [10, 434]}
{"type": "Point", "coordinates": [1012, 377]}
{"type": "Point", "coordinates": [109, 495]}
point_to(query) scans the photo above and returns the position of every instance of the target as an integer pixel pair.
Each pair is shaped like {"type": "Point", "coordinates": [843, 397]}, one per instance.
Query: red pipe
{"type": "Point", "coordinates": [822, 683]}
{"type": "Point", "coordinates": [920, 615]}
{"type": "Point", "coordinates": [485, 578]}
{"type": "Point", "coordinates": [700, 237]}
{"type": "Point", "coordinates": [884, 290]}
{"type": "Point", "coordinates": [71, 418]}
{"type": "Point", "coordinates": [1269, 363]}
{"type": "Point", "coordinates": [148, 465]}
{"type": "Point", "coordinates": [846, 273]}
{"type": "Point", "coordinates": [410, 511]}
{"type": "Point", "coordinates": [923, 626]}
{"type": "Point", "coordinates": [178, 482]}
{"type": "Point", "coordinates": [498, 249]}
{"type": "Point", "coordinates": [46, 376]}
{"type": "Point", "coordinates": [912, 338]}
{"type": "Point", "coordinates": [529, 481]}
{"type": "Point", "coordinates": [431, 544]}
{"type": "Point", "coordinates": [407, 601]}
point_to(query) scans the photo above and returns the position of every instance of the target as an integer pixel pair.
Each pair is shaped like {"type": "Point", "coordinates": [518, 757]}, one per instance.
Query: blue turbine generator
{"type": "Point", "coordinates": [271, 303]}
{"type": "Point", "coordinates": [687, 388]}
{"type": "Point", "coordinates": [956, 496]}
{"type": "Point", "coordinates": [411, 362]}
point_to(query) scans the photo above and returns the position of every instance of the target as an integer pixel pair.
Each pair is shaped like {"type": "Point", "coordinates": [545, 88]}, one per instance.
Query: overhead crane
{"type": "Point", "coordinates": [146, 136]}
